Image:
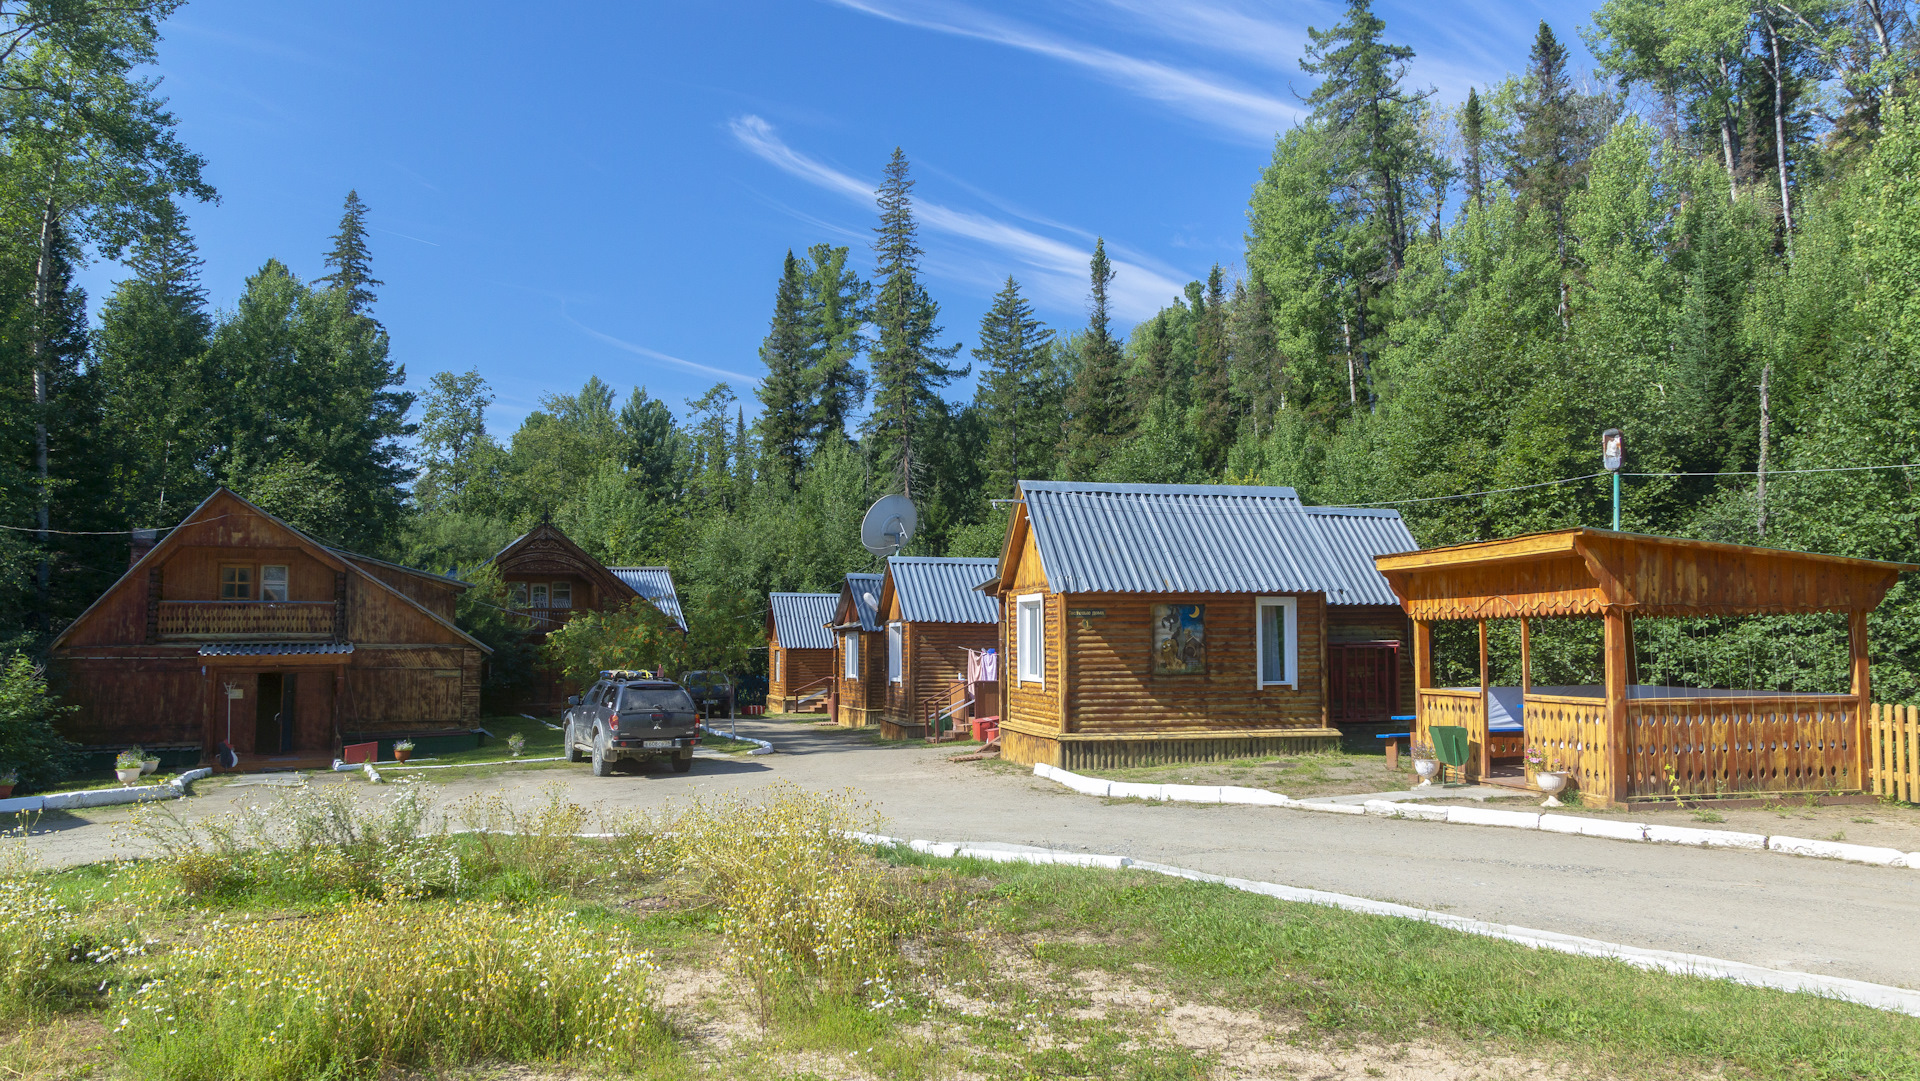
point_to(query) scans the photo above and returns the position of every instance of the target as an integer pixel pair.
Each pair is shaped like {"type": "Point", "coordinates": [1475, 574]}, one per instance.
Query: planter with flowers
{"type": "Point", "coordinates": [1549, 775]}
{"type": "Point", "coordinates": [8, 778]}
{"type": "Point", "coordinates": [1425, 762]}
{"type": "Point", "coordinates": [516, 744]}
{"type": "Point", "coordinates": [402, 750]}
{"type": "Point", "coordinates": [129, 764]}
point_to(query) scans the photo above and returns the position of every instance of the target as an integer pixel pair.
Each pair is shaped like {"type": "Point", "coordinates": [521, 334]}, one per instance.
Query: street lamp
{"type": "Point", "coordinates": [1613, 455]}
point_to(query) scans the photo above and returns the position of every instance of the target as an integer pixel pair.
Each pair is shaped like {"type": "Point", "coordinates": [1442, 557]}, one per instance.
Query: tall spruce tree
{"type": "Point", "coordinates": [1097, 410]}
{"type": "Point", "coordinates": [835, 306]}
{"type": "Point", "coordinates": [785, 398]}
{"type": "Point", "coordinates": [349, 261]}
{"type": "Point", "coordinates": [1215, 416]}
{"type": "Point", "coordinates": [909, 367]}
{"type": "Point", "coordinates": [1473, 138]}
{"type": "Point", "coordinates": [1013, 346]}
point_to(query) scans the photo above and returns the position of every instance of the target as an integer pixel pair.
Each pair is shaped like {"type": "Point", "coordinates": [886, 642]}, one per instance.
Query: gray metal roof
{"type": "Point", "coordinates": [1356, 535]}
{"type": "Point", "coordinates": [800, 619]}
{"type": "Point", "coordinates": [866, 599]}
{"type": "Point", "coordinates": [272, 649]}
{"type": "Point", "coordinates": [656, 585]}
{"type": "Point", "coordinates": [942, 590]}
{"type": "Point", "coordinates": [1193, 538]}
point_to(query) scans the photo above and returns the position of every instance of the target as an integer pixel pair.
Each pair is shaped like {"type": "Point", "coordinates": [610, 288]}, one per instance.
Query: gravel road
{"type": "Point", "coordinates": [1763, 908]}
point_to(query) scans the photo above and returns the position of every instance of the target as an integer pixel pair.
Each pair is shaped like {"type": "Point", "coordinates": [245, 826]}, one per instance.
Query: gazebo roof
{"type": "Point", "coordinates": [1585, 572]}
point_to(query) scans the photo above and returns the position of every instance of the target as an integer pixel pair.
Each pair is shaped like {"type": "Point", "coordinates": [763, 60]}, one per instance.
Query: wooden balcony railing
{"type": "Point", "coordinates": [1712, 746]}
{"type": "Point", "coordinates": [246, 619]}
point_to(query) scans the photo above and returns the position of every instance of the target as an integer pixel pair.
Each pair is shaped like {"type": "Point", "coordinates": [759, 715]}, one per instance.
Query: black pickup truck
{"type": "Point", "coordinates": [632, 716]}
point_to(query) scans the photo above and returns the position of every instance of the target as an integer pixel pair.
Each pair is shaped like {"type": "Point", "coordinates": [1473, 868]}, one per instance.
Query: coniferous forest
{"type": "Point", "coordinates": [1712, 243]}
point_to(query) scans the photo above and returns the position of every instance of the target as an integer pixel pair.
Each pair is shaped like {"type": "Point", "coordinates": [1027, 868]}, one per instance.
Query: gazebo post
{"type": "Point", "coordinates": [1485, 759]}
{"type": "Point", "coordinates": [1618, 643]}
{"type": "Point", "coordinates": [1863, 698]}
{"type": "Point", "coordinates": [1526, 663]}
{"type": "Point", "coordinates": [1422, 676]}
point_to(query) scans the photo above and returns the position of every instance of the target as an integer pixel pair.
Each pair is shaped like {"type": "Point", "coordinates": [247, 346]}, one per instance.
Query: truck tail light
{"type": "Point", "coordinates": [613, 722]}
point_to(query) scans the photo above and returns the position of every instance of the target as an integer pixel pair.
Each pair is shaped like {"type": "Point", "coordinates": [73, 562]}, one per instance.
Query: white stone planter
{"type": "Point", "coordinates": [149, 765]}
{"type": "Point", "coordinates": [1552, 784]}
{"type": "Point", "coordinates": [128, 776]}
{"type": "Point", "coordinates": [1427, 768]}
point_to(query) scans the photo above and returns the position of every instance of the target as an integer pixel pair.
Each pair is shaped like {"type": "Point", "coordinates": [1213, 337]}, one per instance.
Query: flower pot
{"type": "Point", "coordinates": [1552, 784]}
{"type": "Point", "coordinates": [128, 776]}
{"type": "Point", "coordinates": [1426, 768]}
{"type": "Point", "coordinates": [6, 790]}
{"type": "Point", "coordinates": [148, 765]}
{"type": "Point", "coordinates": [401, 755]}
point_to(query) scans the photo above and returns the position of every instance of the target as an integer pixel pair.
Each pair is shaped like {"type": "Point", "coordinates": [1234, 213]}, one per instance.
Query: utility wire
{"type": "Point", "coordinates": [1590, 476]}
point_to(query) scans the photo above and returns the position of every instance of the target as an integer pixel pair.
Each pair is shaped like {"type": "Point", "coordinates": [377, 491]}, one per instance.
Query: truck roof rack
{"type": "Point", "coordinates": [627, 673]}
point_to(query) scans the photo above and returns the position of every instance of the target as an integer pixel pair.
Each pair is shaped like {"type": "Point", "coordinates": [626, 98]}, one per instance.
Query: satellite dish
{"type": "Point", "coordinates": [888, 526]}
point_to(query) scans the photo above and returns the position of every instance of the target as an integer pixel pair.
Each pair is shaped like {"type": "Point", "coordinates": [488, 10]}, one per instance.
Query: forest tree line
{"type": "Point", "coordinates": [1709, 243]}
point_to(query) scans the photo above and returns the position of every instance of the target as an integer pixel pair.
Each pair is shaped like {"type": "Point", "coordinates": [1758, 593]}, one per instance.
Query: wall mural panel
{"type": "Point", "coordinates": [1179, 639]}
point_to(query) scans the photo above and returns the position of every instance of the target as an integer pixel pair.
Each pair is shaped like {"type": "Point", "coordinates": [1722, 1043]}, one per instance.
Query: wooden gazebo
{"type": "Point", "coordinates": [1622, 741]}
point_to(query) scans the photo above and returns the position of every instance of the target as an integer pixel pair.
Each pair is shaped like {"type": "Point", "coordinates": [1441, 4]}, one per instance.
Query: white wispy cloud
{"type": "Point", "coordinates": [655, 354]}
{"type": "Point", "coordinates": [1057, 269]}
{"type": "Point", "coordinates": [1237, 109]}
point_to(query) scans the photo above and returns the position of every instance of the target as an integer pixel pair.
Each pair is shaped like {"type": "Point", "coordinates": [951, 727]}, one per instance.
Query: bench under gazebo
{"type": "Point", "coordinates": [1621, 740]}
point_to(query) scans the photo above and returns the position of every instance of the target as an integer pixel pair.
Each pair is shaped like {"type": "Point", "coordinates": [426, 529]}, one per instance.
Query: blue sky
{"type": "Point", "coordinates": [567, 189]}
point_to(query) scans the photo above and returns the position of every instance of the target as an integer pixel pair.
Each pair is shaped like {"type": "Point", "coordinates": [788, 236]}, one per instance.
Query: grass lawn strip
{"type": "Point", "coordinates": [960, 968]}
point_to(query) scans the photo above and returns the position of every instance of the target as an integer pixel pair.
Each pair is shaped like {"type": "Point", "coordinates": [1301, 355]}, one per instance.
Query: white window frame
{"type": "Point", "coordinates": [896, 662]}
{"type": "Point", "coordinates": [271, 590]}
{"type": "Point", "coordinates": [556, 591]}
{"type": "Point", "coordinates": [1289, 626]}
{"type": "Point", "coordinates": [776, 663]}
{"type": "Point", "coordinates": [1030, 640]}
{"type": "Point", "coordinates": [851, 647]}
{"type": "Point", "coordinates": [537, 595]}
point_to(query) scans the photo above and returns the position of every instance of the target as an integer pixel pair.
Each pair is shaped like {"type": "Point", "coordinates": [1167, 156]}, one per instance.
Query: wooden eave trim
{"type": "Point", "coordinates": [589, 567]}
{"type": "Point", "coordinates": [1479, 553]}
{"type": "Point", "coordinates": [1016, 542]}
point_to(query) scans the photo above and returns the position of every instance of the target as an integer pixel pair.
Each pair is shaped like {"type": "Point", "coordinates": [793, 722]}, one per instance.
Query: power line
{"type": "Point", "coordinates": [1471, 495]}
{"type": "Point", "coordinates": [1591, 476]}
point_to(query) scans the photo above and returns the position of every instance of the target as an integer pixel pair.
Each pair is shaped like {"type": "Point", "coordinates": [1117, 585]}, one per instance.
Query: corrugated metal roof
{"type": "Point", "coordinates": [866, 599]}
{"type": "Point", "coordinates": [941, 590]}
{"type": "Point", "coordinates": [272, 649]}
{"type": "Point", "coordinates": [800, 619]}
{"type": "Point", "coordinates": [1199, 538]}
{"type": "Point", "coordinates": [1356, 535]}
{"type": "Point", "coordinates": [656, 585]}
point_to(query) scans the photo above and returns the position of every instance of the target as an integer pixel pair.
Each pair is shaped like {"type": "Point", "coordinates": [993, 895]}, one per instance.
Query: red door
{"type": "Point", "coordinates": [1363, 682]}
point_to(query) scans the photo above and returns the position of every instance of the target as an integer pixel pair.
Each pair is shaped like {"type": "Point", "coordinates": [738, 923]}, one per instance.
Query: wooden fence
{"type": "Point", "coordinates": [1893, 751]}
{"type": "Point", "coordinates": [1761, 745]}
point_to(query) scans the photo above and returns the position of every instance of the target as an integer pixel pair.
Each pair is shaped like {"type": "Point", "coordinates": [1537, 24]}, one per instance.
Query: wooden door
{"type": "Point", "coordinates": [1363, 682]}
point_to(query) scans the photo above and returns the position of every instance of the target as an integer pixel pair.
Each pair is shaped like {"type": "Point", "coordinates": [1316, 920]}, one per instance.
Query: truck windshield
{"type": "Point", "coordinates": [655, 700]}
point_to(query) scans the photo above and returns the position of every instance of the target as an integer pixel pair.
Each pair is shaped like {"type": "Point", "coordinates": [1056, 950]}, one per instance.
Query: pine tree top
{"type": "Point", "coordinates": [350, 261]}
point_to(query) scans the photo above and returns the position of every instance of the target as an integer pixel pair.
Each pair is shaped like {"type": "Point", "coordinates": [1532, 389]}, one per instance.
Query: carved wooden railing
{"type": "Point", "coordinates": [1720, 746]}
{"type": "Point", "coordinates": [1573, 730]}
{"type": "Point", "coordinates": [245, 619]}
{"type": "Point", "coordinates": [1465, 709]}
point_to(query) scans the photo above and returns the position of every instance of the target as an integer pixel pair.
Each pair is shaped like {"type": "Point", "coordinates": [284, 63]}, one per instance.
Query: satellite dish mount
{"type": "Point", "coordinates": [888, 526]}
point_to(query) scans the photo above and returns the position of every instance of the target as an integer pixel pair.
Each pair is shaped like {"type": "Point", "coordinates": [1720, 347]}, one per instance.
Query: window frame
{"type": "Point", "coordinates": [285, 584]}
{"type": "Point", "coordinates": [537, 595]}
{"type": "Point", "coordinates": [850, 645]}
{"type": "Point", "coordinates": [896, 652]}
{"type": "Point", "coordinates": [1030, 645]}
{"type": "Point", "coordinates": [777, 654]}
{"type": "Point", "coordinates": [1290, 654]}
{"type": "Point", "coordinates": [247, 582]}
{"type": "Point", "coordinates": [553, 595]}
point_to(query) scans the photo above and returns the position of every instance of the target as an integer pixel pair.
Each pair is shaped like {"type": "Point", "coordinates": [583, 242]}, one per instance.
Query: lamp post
{"type": "Point", "coordinates": [1613, 455]}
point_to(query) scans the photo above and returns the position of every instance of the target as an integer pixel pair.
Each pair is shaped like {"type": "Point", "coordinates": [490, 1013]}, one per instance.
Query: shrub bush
{"type": "Point", "coordinates": [29, 743]}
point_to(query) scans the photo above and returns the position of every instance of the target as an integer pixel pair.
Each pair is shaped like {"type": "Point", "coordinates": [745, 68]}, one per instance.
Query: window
{"type": "Point", "coordinates": [1030, 631]}
{"type": "Point", "coordinates": [655, 700]}
{"type": "Point", "coordinates": [517, 594]}
{"type": "Point", "coordinates": [562, 595]}
{"type": "Point", "coordinates": [852, 647]}
{"type": "Point", "coordinates": [273, 583]}
{"type": "Point", "coordinates": [236, 583]}
{"type": "Point", "coordinates": [894, 636]}
{"type": "Point", "coordinates": [540, 595]}
{"type": "Point", "coordinates": [1276, 629]}
{"type": "Point", "coordinates": [776, 663]}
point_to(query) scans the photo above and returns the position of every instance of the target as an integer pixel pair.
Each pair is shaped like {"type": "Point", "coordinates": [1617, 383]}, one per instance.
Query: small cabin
{"type": "Point", "coordinates": [937, 621]}
{"type": "Point", "coordinates": [1153, 623]}
{"type": "Point", "coordinates": [799, 651]}
{"type": "Point", "coordinates": [237, 628]}
{"type": "Point", "coordinates": [549, 579]}
{"type": "Point", "coordinates": [859, 653]}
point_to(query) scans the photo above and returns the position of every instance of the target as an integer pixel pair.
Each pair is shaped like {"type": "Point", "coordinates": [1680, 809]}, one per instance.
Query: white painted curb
{"type": "Point", "coordinates": [1486, 816]}
{"type": "Point", "coordinates": [1877, 995]}
{"type": "Point", "coordinates": [107, 797]}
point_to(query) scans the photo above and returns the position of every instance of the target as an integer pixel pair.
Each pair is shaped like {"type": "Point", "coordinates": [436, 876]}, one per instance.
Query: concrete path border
{"type": "Point", "coordinates": [1876, 995]}
{"type": "Point", "coordinates": [1486, 816]}
{"type": "Point", "coordinates": [104, 797]}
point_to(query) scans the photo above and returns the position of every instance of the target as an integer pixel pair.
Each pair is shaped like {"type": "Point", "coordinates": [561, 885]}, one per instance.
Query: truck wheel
{"type": "Point", "coordinates": [573, 749]}
{"type": "Point", "coordinates": [682, 765]}
{"type": "Point", "coordinates": [602, 765]}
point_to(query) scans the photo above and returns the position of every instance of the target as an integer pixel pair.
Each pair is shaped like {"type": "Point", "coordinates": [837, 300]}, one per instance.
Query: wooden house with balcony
{"type": "Point", "coordinates": [935, 617]}
{"type": "Point", "coordinates": [1622, 739]}
{"type": "Point", "coordinates": [799, 651]}
{"type": "Point", "coordinates": [239, 629]}
{"type": "Point", "coordinates": [1156, 623]}
{"type": "Point", "coordinates": [549, 579]}
{"type": "Point", "coordinates": [859, 653]}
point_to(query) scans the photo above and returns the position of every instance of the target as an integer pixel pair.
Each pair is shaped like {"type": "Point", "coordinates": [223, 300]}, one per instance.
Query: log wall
{"type": "Point", "coordinates": [933, 663]}
{"type": "Point", "coordinates": [800, 671]}
{"type": "Point", "coordinates": [1376, 623]}
{"type": "Point", "coordinates": [863, 700]}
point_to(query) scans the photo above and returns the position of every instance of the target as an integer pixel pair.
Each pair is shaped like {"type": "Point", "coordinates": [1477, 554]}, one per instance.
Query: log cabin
{"type": "Point", "coordinates": [549, 579]}
{"type": "Point", "coordinates": [935, 616]}
{"type": "Point", "coordinates": [1156, 623]}
{"type": "Point", "coordinates": [859, 653]}
{"type": "Point", "coordinates": [799, 651]}
{"type": "Point", "coordinates": [239, 629]}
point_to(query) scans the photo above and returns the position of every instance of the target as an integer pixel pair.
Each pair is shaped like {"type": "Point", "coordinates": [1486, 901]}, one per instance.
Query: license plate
{"type": "Point", "coordinates": [654, 744]}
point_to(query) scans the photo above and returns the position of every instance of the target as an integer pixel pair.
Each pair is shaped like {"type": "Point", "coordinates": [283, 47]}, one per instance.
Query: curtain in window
{"type": "Point", "coordinates": [1273, 644]}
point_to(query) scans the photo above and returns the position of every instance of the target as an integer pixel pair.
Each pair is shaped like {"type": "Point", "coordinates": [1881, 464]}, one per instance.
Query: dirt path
{"type": "Point", "coordinates": [1763, 908]}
